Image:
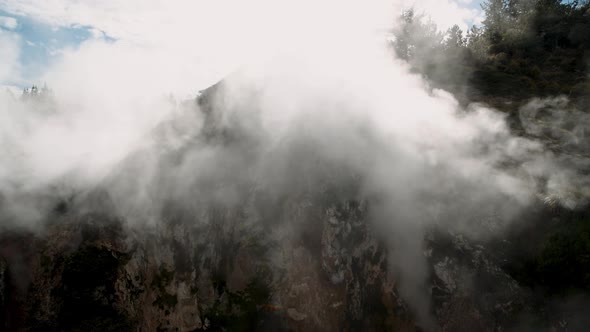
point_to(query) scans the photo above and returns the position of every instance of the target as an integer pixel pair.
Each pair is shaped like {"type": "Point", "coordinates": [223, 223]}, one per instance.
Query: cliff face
{"type": "Point", "coordinates": [87, 272]}
{"type": "Point", "coordinates": [304, 259]}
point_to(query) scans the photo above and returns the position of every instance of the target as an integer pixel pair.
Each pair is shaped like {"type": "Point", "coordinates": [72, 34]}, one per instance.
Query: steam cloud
{"type": "Point", "coordinates": [326, 110]}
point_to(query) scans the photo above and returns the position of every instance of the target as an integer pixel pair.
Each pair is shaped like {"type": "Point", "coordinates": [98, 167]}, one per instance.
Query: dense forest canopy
{"type": "Point", "coordinates": [523, 49]}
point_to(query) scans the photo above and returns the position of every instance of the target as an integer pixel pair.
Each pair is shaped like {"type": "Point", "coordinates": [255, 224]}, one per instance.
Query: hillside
{"type": "Point", "coordinates": [442, 185]}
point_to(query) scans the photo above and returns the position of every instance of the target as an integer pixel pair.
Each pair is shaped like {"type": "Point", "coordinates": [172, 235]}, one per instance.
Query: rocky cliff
{"type": "Point", "coordinates": [306, 259]}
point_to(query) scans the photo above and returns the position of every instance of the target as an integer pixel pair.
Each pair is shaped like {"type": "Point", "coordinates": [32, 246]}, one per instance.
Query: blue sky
{"type": "Point", "coordinates": [41, 40]}
{"type": "Point", "coordinates": [41, 44]}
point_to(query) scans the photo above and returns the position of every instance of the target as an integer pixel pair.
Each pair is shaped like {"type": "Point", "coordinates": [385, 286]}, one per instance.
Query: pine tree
{"type": "Point", "coordinates": [496, 21]}
{"type": "Point", "coordinates": [455, 37]}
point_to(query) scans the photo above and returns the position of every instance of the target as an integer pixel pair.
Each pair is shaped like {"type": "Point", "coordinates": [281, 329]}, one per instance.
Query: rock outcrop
{"type": "Point", "coordinates": [326, 271]}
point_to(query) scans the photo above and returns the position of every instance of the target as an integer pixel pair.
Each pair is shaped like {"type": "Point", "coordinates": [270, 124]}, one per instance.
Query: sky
{"type": "Point", "coordinates": [206, 39]}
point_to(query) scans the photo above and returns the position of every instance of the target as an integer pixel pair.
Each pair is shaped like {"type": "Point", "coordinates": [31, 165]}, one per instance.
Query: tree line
{"type": "Point", "coordinates": [523, 48]}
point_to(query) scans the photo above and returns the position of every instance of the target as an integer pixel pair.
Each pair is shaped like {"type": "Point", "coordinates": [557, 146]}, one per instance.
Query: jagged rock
{"type": "Point", "coordinates": [470, 290]}
{"type": "Point", "coordinates": [3, 283]}
{"type": "Point", "coordinates": [190, 276]}
{"type": "Point", "coordinates": [295, 315]}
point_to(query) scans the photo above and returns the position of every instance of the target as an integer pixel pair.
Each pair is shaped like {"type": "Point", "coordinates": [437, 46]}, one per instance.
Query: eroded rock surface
{"type": "Point", "coordinates": [224, 271]}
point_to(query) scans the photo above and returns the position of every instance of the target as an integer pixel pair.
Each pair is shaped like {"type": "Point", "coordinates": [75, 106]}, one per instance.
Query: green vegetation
{"type": "Point", "coordinates": [524, 48]}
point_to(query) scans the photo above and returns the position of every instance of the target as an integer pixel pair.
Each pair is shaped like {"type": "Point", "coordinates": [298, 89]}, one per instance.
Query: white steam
{"type": "Point", "coordinates": [320, 97]}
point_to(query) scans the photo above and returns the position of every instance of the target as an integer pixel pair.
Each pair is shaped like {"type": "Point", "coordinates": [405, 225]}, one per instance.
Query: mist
{"type": "Point", "coordinates": [312, 107]}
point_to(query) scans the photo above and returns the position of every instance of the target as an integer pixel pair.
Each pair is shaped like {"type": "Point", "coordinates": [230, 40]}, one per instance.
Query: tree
{"type": "Point", "coordinates": [403, 41]}
{"type": "Point", "coordinates": [42, 100]}
{"type": "Point", "coordinates": [476, 42]}
{"type": "Point", "coordinates": [455, 37]}
{"type": "Point", "coordinates": [496, 21]}
{"type": "Point", "coordinates": [417, 37]}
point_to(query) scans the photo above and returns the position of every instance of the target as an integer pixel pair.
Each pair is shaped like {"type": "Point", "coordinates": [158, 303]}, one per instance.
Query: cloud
{"type": "Point", "coordinates": [10, 44]}
{"type": "Point", "coordinates": [564, 129]}
{"type": "Point", "coordinates": [446, 13]}
{"type": "Point", "coordinates": [216, 37]}
{"type": "Point", "coordinates": [9, 23]}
